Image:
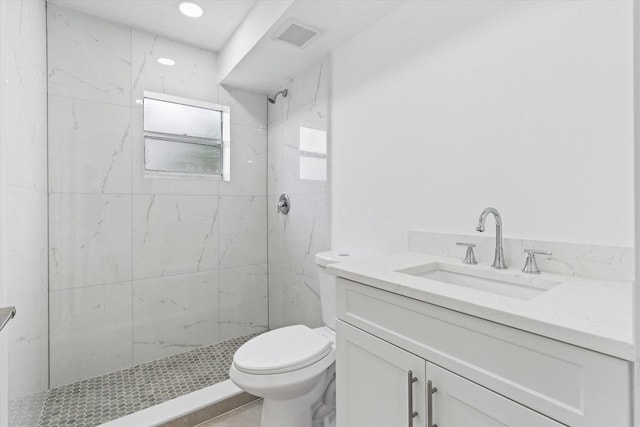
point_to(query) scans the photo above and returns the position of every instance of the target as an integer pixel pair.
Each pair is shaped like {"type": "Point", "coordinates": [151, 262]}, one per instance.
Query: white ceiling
{"type": "Point", "coordinates": [264, 64]}
{"type": "Point", "coordinates": [270, 63]}
{"type": "Point", "coordinates": [211, 31]}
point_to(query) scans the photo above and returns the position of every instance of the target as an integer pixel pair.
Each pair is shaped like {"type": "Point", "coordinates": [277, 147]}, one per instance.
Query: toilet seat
{"type": "Point", "coordinates": [281, 350]}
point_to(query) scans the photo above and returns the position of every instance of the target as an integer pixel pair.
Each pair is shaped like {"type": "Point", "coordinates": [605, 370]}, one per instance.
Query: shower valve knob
{"type": "Point", "coordinates": [284, 204]}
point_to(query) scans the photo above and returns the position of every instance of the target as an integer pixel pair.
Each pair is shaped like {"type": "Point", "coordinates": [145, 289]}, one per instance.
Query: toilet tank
{"type": "Point", "coordinates": [328, 284]}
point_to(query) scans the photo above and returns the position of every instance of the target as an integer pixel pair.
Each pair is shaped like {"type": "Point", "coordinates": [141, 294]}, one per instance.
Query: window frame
{"type": "Point", "coordinates": [224, 142]}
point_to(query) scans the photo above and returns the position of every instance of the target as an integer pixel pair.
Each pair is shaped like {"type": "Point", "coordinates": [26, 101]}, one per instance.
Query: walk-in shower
{"type": "Point", "coordinates": [134, 287]}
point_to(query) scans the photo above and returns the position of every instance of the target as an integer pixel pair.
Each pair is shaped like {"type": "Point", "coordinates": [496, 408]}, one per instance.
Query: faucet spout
{"type": "Point", "coordinates": [498, 260]}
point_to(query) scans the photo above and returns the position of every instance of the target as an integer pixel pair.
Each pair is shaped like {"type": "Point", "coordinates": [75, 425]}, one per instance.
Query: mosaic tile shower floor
{"type": "Point", "coordinates": [97, 400]}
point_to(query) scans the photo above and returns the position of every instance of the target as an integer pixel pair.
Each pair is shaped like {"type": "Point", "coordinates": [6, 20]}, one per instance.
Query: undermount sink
{"type": "Point", "coordinates": [507, 283]}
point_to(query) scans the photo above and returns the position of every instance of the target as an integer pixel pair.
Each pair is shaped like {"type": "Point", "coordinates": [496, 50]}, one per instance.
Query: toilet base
{"type": "Point", "coordinates": [299, 398]}
{"type": "Point", "coordinates": [294, 412]}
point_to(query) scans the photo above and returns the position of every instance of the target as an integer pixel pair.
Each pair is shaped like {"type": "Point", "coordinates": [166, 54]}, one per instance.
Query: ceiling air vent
{"type": "Point", "coordinates": [296, 34]}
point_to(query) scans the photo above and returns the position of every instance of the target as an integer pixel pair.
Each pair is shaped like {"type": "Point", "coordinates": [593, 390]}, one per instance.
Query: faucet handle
{"type": "Point", "coordinates": [470, 257]}
{"type": "Point", "coordinates": [530, 265]}
{"type": "Point", "coordinates": [536, 252]}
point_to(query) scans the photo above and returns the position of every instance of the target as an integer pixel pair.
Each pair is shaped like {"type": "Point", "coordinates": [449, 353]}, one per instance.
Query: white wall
{"type": "Point", "coordinates": [444, 108]}
{"type": "Point", "coordinates": [144, 267]}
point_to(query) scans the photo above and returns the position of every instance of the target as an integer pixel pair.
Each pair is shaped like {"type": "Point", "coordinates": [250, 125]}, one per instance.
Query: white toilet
{"type": "Point", "coordinates": [292, 368]}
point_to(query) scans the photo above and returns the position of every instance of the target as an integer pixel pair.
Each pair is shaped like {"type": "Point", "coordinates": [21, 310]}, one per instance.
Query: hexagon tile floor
{"type": "Point", "coordinates": [98, 400]}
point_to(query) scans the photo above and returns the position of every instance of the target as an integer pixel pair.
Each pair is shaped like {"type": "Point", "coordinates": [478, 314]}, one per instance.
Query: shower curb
{"type": "Point", "coordinates": [213, 411]}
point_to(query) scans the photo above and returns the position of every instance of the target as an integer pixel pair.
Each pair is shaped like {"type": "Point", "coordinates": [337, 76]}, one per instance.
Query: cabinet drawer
{"type": "Point", "coordinates": [570, 384]}
{"type": "Point", "coordinates": [459, 402]}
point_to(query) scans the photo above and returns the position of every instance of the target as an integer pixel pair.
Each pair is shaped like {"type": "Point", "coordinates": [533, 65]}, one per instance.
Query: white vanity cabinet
{"type": "Point", "coordinates": [486, 374]}
{"type": "Point", "coordinates": [399, 387]}
{"type": "Point", "coordinates": [376, 387]}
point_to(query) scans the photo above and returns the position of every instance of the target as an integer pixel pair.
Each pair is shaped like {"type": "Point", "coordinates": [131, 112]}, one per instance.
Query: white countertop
{"type": "Point", "coordinates": [593, 314]}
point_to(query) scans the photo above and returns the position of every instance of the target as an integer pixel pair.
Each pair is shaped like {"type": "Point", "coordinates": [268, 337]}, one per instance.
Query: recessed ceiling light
{"type": "Point", "coordinates": [190, 9]}
{"type": "Point", "coordinates": [166, 61]}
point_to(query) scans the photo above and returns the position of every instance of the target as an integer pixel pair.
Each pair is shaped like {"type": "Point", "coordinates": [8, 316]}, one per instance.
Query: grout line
{"type": "Point", "coordinates": [133, 279]}
{"type": "Point", "coordinates": [113, 104]}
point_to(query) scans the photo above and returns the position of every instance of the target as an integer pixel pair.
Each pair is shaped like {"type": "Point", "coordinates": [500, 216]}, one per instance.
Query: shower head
{"type": "Point", "coordinates": [272, 99]}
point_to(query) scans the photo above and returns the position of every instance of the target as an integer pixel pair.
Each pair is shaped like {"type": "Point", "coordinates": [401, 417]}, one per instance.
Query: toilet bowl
{"type": "Point", "coordinates": [291, 382]}
{"type": "Point", "coordinates": [293, 368]}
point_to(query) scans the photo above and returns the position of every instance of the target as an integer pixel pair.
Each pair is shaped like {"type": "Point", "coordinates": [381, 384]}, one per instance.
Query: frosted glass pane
{"type": "Point", "coordinates": [180, 119]}
{"type": "Point", "coordinates": [170, 156]}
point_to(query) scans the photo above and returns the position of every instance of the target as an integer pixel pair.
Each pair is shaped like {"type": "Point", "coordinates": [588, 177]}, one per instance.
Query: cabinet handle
{"type": "Point", "coordinates": [430, 390]}
{"type": "Point", "coordinates": [410, 380]}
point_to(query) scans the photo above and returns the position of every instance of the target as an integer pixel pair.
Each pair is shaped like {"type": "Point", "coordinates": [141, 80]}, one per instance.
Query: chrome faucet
{"type": "Point", "coordinates": [498, 259]}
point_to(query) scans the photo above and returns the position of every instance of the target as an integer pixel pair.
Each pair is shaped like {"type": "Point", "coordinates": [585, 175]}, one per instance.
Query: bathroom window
{"type": "Point", "coordinates": [313, 154]}
{"type": "Point", "coordinates": [185, 137]}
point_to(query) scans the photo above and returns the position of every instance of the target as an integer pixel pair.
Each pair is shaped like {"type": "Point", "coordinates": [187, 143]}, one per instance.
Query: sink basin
{"type": "Point", "coordinates": [507, 283]}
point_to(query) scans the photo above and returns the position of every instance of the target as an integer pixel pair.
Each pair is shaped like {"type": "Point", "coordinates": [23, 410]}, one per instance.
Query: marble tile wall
{"type": "Point", "coordinates": [24, 142]}
{"type": "Point", "coordinates": [294, 239]}
{"type": "Point", "coordinates": [143, 267]}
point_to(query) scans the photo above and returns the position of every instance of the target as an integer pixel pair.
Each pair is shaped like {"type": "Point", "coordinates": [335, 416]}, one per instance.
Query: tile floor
{"type": "Point", "coordinates": [247, 416]}
{"type": "Point", "coordinates": [98, 400]}
{"type": "Point", "coordinates": [26, 412]}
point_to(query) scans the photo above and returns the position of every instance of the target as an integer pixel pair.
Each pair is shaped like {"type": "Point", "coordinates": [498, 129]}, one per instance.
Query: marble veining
{"type": "Point", "coordinates": [274, 154]}
{"type": "Point", "coordinates": [90, 331]}
{"type": "Point", "coordinates": [243, 231]}
{"type": "Point", "coordinates": [99, 65]}
{"type": "Point", "coordinates": [188, 77]}
{"type": "Point", "coordinates": [174, 314]}
{"type": "Point", "coordinates": [308, 93]}
{"type": "Point", "coordinates": [174, 235]}
{"type": "Point", "coordinates": [243, 300]}
{"type": "Point", "coordinates": [148, 53]}
{"type": "Point", "coordinates": [294, 239]}
{"type": "Point", "coordinates": [27, 252]}
{"type": "Point", "coordinates": [28, 345]}
{"type": "Point", "coordinates": [248, 162]}
{"type": "Point", "coordinates": [293, 299]}
{"type": "Point", "coordinates": [26, 56]}
{"type": "Point", "coordinates": [28, 117]}
{"type": "Point", "coordinates": [89, 154]}
{"type": "Point", "coordinates": [90, 239]}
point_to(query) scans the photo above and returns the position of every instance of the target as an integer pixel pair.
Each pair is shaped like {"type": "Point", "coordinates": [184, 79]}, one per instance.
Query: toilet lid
{"type": "Point", "coordinates": [281, 350]}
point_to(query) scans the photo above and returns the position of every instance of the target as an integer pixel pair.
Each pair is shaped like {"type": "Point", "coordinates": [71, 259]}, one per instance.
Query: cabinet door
{"type": "Point", "coordinates": [373, 385]}
{"type": "Point", "coordinates": [459, 402]}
